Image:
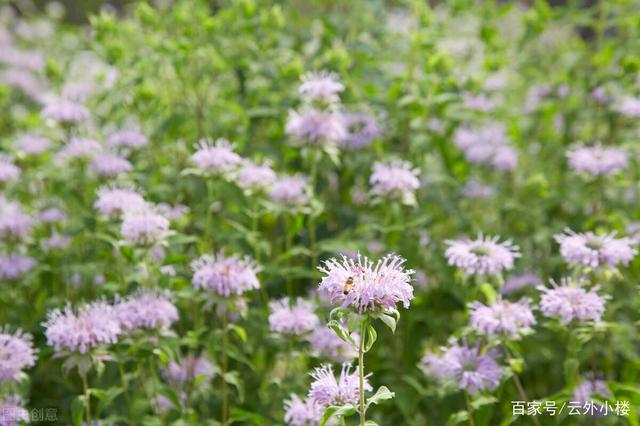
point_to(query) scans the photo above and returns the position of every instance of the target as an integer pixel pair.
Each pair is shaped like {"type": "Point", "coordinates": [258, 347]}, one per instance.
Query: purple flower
{"type": "Point", "coordinates": [8, 170]}
{"type": "Point", "coordinates": [362, 128]}
{"type": "Point", "coordinates": [172, 212]}
{"type": "Point", "coordinates": [487, 145]}
{"type": "Point", "coordinates": [114, 201]}
{"type": "Point", "coordinates": [144, 226]}
{"type": "Point", "coordinates": [91, 325]}
{"type": "Point", "coordinates": [589, 249]}
{"type": "Point", "coordinates": [146, 309]}
{"type": "Point", "coordinates": [25, 81]}
{"type": "Point", "coordinates": [12, 412]}
{"type": "Point", "coordinates": [15, 224]}
{"type": "Point", "coordinates": [502, 318]}
{"type": "Point", "coordinates": [186, 371]}
{"type": "Point", "coordinates": [79, 149]}
{"type": "Point", "coordinates": [130, 138]}
{"type": "Point", "coordinates": [482, 256]}
{"type": "Point", "coordinates": [225, 276]}
{"type": "Point", "coordinates": [255, 177]}
{"type": "Point", "coordinates": [630, 107]}
{"type": "Point", "coordinates": [13, 266]}
{"type": "Point", "coordinates": [517, 282]}
{"type": "Point", "coordinates": [466, 367]}
{"type": "Point", "coordinates": [315, 127]}
{"type": "Point", "coordinates": [32, 144]}
{"type": "Point", "coordinates": [569, 302]}
{"type": "Point", "coordinates": [326, 343]}
{"type": "Point", "coordinates": [587, 391]}
{"type": "Point", "coordinates": [110, 165]}
{"type": "Point", "coordinates": [327, 390]}
{"type": "Point", "coordinates": [395, 179]}
{"type": "Point", "coordinates": [65, 111]}
{"type": "Point", "coordinates": [474, 189]}
{"type": "Point", "coordinates": [290, 191]}
{"type": "Point", "coordinates": [216, 158]}
{"type": "Point", "coordinates": [600, 96]}
{"type": "Point", "coordinates": [52, 215]}
{"type": "Point", "coordinates": [367, 286]}
{"type": "Point", "coordinates": [323, 87]}
{"type": "Point", "coordinates": [292, 319]}
{"type": "Point", "coordinates": [55, 241]}
{"type": "Point", "coordinates": [300, 412]}
{"type": "Point", "coordinates": [17, 354]}
{"type": "Point", "coordinates": [597, 160]}
{"type": "Point", "coordinates": [479, 102]}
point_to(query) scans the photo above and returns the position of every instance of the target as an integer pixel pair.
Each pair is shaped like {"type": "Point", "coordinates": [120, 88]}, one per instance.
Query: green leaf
{"type": "Point", "coordinates": [342, 333]}
{"type": "Point", "coordinates": [77, 410]}
{"type": "Point", "coordinates": [372, 336]}
{"type": "Point", "coordinates": [241, 332]}
{"type": "Point", "coordinates": [337, 411]}
{"type": "Point", "coordinates": [382, 394]}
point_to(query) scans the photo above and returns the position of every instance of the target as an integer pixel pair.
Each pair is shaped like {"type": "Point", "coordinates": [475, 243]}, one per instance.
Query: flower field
{"type": "Point", "coordinates": [311, 213]}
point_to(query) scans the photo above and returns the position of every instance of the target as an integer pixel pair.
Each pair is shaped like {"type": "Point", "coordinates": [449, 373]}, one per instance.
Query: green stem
{"type": "Point", "coordinates": [125, 387]}
{"type": "Point", "coordinates": [87, 397]}
{"type": "Point", "coordinates": [469, 409]}
{"type": "Point", "coordinates": [363, 330]}
{"type": "Point", "coordinates": [225, 393]}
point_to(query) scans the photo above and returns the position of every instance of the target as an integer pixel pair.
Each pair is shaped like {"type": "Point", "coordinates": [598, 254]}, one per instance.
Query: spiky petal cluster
{"type": "Point", "coordinates": [84, 329]}
{"type": "Point", "coordinates": [300, 412]}
{"type": "Point", "coordinates": [15, 223]}
{"type": "Point", "coordinates": [487, 145]}
{"type": "Point", "coordinates": [502, 318]}
{"type": "Point", "coordinates": [110, 165]}
{"type": "Point", "coordinates": [482, 256]}
{"type": "Point", "coordinates": [316, 127]}
{"type": "Point", "coordinates": [147, 309]}
{"type": "Point", "coordinates": [144, 226]}
{"type": "Point", "coordinates": [255, 177]}
{"type": "Point", "coordinates": [593, 250]}
{"type": "Point", "coordinates": [65, 111]}
{"type": "Point", "coordinates": [16, 354]}
{"type": "Point", "coordinates": [327, 390]}
{"type": "Point", "coordinates": [130, 138]}
{"type": "Point", "coordinates": [79, 149]}
{"type": "Point", "coordinates": [597, 160]}
{"type": "Point", "coordinates": [225, 276]}
{"type": "Point", "coordinates": [216, 158]}
{"type": "Point", "coordinates": [322, 87]}
{"type": "Point", "coordinates": [114, 201]}
{"type": "Point", "coordinates": [292, 318]}
{"type": "Point", "coordinates": [32, 144]}
{"type": "Point", "coordinates": [290, 191]}
{"type": "Point", "coordinates": [466, 367]}
{"type": "Point", "coordinates": [14, 265]}
{"type": "Point", "coordinates": [8, 171]}
{"type": "Point", "coordinates": [569, 302]}
{"type": "Point", "coordinates": [395, 179]}
{"type": "Point", "coordinates": [371, 286]}
{"type": "Point", "coordinates": [362, 128]}
{"type": "Point", "coordinates": [326, 343]}
{"type": "Point", "coordinates": [185, 371]}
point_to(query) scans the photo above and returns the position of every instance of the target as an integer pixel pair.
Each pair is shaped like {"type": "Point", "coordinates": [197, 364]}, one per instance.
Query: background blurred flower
{"type": "Point", "coordinates": [295, 318]}
{"type": "Point", "coordinates": [482, 256]}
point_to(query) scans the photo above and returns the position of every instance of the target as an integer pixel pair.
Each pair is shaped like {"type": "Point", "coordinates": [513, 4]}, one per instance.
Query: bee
{"type": "Point", "coordinates": [348, 286]}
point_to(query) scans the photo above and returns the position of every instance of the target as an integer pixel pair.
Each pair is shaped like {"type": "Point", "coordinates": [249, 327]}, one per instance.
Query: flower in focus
{"type": "Point", "coordinates": [188, 369]}
{"type": "Point", "coordinates": [367, 286]}
{"type": "Point", "coordinates": [597, 160]}
{"type": "Point", "coordinates": [114, 201]}
{"type": "Point", "coordinates": [8, 170]}
{"type": "Point", "coordinates": [216, 158]}
{"type": "Point", "coordinates": [91, 325]}
{"type": "Point", "coordinates": [225, 276]}
{"type": "Point", "coordinates": [290, 191]}
{"type": "Point", "coordinates": [325, 342]}
{"type": "Point", "coordinates": [362, 128]}
{"type": "Point", "coordinates": [13, 266]}
{"type": "Point", "coordinates": [130, 138]}
{"type": "Point", "coordinates": [16, 354]}
{"type": "Point", "coordinates": [327, 390]}
{"type": "Point", "coordinates": [15, 224]}
{"type": "Point", "coordinates": [146, 309]}
{"type": "Point", "coordinates": [482, 256]}
{"type": "Point", "coordinates": [65, 111]}
{"type": "Point", "coordinates": [466, 367]}
{"type": "Point", "coordinates": [300, 412]}
{"type": "Point", "coordinates": [255, 177]}
{"type": "Point", "coordinates": [502, 318]}
{"type": "Point", "coordinates": [144, 226]}
{"type": "Point", "coordinates": [316, 127]}
{"type": "Point", "coordinates": [323, 87]}
{"type": "Point", "coordinates": [110, 165]}
{"type": "Point", "coordinates": [396, 180]}
{"type": "Point", "coordinates": [292, 319]}
{"type": "Point", "coordinates": [569, 302]}
{"type": "Point", "coordinates": [589, 249]}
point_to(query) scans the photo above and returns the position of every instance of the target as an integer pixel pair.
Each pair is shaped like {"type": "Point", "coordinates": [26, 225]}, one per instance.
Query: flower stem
{"type": "Point", "coordinates": [363, 330]}
{"type": "Point", "coordinates": [225, 394]}
{"type": "Point", "coordinates": [87, 397]}
{"type": "Point", "coordinates": [469, 409]}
